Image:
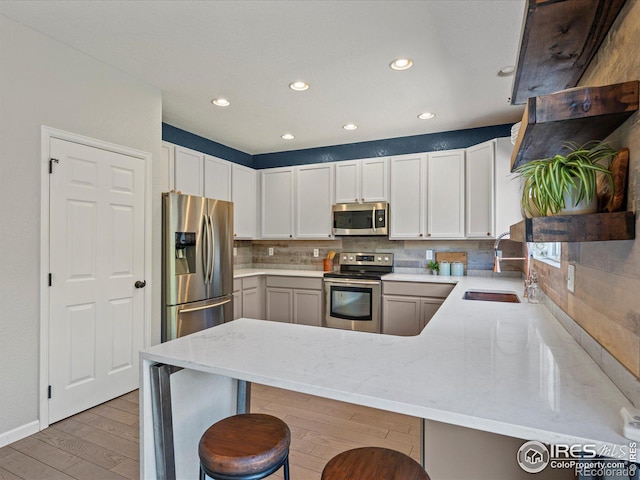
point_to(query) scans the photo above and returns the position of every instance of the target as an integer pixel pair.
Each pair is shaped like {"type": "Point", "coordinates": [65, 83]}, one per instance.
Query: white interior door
{"type": "Point", "coordinates": [96, 317]}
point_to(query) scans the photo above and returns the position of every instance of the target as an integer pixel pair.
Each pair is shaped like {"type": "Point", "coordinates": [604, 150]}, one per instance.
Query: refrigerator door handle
{"type": "Point", "coordinates": [204, 307]}
{"type": "Point", "coordinates": [212, 249]}
{"type": "Point", "coordinates": [205, 249]}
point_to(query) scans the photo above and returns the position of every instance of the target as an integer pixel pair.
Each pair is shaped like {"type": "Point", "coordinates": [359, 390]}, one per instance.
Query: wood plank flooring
{"type": "Point", "coordinates": [103, 443]}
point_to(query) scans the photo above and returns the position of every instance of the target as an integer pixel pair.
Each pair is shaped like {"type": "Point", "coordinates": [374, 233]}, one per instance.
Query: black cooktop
{"type": "Point", "coordinates": [355, 275]}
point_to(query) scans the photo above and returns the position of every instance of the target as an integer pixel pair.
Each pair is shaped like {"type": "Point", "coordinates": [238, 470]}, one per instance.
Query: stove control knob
{"type": "Point", "coordinates": [386, 259]}
{"type": "Point", "coordinates": [379, 259]}
{"type": "Point", "coordinates": [344, 257]}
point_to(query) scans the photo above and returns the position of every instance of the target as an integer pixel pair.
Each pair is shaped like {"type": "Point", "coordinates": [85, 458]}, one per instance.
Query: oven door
{"type": "Point", "coordinates": [352, 304]}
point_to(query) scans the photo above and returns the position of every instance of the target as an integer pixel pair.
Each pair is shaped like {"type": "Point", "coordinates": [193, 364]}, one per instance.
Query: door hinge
{"type": "Point", "coordinates": [49, 392]}
{"type": "Point", "coordinates": [51, 162]}
{"type": "Point", "coordinates": [50, 279]}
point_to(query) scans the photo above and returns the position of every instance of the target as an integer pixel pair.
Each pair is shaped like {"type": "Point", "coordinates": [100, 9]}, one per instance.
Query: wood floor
{"type": "Point", "coordinates": [103, 442]}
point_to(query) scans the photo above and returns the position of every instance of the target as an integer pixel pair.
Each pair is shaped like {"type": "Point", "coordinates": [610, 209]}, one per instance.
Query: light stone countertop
{"type": "Point", "coordinates": [504, 368]}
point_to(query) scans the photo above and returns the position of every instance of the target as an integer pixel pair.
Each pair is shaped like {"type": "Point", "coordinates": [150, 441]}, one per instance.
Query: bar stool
{"type": "Point", "coordinates": [373, 463]}
{"type": "Point", "coordinates": [249, 446]}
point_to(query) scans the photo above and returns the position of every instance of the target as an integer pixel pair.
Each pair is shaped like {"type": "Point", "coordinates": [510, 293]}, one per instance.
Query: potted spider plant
{"type": "Point", "coordinates": [565, 184]}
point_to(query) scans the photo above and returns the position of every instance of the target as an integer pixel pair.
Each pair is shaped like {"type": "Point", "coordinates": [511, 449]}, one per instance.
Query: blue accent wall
{"type": "Point", "coordinates": [383, 148]}
{"type": "Point", "coordinates": [186, 139]}
{"type": "Point", "coordinates": [377, 148]}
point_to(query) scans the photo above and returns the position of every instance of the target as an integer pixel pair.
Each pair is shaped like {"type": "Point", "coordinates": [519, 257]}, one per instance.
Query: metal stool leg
{"type": "Point", "coordinates": [202, 475]}
{"type": "Point", "coordinates": [286, 469]}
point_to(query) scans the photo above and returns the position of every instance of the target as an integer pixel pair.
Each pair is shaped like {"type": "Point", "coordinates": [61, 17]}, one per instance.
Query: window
{"type": "Point", "coordinates": [547, 252]}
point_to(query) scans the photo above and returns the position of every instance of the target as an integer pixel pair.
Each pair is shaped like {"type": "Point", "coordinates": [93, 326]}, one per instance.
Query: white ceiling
{"type": "Point", "coordinates": [249, 51]}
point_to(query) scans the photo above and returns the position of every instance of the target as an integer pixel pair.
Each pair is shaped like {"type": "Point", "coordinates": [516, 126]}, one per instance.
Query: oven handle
{"type": "Point", "coordinates": [352, 282]}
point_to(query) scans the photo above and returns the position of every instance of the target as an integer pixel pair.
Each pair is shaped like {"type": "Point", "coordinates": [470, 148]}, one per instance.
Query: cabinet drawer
{"type": "Point", "coordinates": [438, 290]}
{"type": "Point", "coordinates": [250, 282]}
{"type": "Point", "coordinates": [295, 282]}
{"type": "Point", "coordinates": [237, 284]}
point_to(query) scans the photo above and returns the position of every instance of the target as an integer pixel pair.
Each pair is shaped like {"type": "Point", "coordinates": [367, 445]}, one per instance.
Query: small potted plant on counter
{"type": "Point", "coordinates": [434, 267]}
{"type": "Point", "coordinates": [565, 184]}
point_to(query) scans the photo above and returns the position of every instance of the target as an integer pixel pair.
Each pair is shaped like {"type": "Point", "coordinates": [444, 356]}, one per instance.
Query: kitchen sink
{"type": "Point", "coordinates": [504, 297]}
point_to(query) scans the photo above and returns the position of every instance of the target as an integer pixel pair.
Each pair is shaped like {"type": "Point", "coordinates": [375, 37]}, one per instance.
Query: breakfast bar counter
{"type": "Point", "coordinates": [502, 368]}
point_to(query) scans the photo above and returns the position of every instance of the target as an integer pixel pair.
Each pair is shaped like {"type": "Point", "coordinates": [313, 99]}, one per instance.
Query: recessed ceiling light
{"type": "Point", "coordinates": [401, 64]}
{"type": "Point", "coordinates": [220, 102]}
{"type": "Point", "coordinates": [426, 115]}
{"type": "Point", "coordinates": [288, 136]}
{"type": "Point", "coordinates": [350, 126]}
{"type": "Point", "coordinates": [506, 71]}
{"type": "Point", "coordinates": [299, 86]}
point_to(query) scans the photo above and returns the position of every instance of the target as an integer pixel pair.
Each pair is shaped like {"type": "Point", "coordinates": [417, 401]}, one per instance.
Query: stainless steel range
{"type": "Point", "coordinates": [353, 295]}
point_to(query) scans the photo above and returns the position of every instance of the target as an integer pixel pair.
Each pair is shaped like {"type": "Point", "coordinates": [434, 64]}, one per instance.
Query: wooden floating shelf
{"type": "Point", "coordinates": [576, 228]}
{"type": "Point", "coordinates": [559, 40]}
{"type": "Point", "coordinates": [577, 115]}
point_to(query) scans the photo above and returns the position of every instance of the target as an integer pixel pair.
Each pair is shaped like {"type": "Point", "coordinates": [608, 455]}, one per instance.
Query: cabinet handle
{"type": "Point", "coordinates": [290, 236]}
{"type": "Point", "coordinates": [235, 234]}
{"type": "Point", "coordinates": [329, 235]}
{"type": "Point", "coordinates": [420, 235]}
{"type": "Point", "coordinates": [356, 200]}
{"type": "Point", "coordinates": [488, 234]}
{"type": "Point", "coordinates": [362, 199]}
{"type": "Point", "coordinates": [428, 234]}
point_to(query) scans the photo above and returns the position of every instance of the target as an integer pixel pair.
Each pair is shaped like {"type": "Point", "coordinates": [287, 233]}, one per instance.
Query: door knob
{"type": "Point", "coordinates": [140, 284]}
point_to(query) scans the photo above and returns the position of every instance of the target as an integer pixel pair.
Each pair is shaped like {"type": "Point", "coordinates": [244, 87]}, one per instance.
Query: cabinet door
{"type": "Point", "coordinates": [479, 187]}
{"type": "Point", "coordinates": [508, 189]}
{"type": "Point", "coordinates": [400, 315]}
{"type": "Point", "coordinates": [217, 178]}
{"type": "Point", "coordinates": [277, 203]}
{"type": "Point", "coordinates": [251, 304]}
{"type": "Point", "coordinates": [189, 174]}
{"type": "Point", "coordinates": [237, 305]}
{"type": "Point", "coordinates": [407, 197]}
{"type": "Point", "coordinates": [375, 180]}
{"type": "Point", "coordinates": [314, 198]}
{"type": "Point", "coordinates": [167, 167]}
{"type": "Point", "coordinates": [428, 307]}
{"type": "Point", "coordinates": [445, 194]}
{"type": "Point", "coordinates": [279, 304]}
{"type": "Point", "coordinates": [244, 187]}
{"type": "Point", "coordinates": [348, 181]}
{"type": "Point", "coordinates": [307, 307]}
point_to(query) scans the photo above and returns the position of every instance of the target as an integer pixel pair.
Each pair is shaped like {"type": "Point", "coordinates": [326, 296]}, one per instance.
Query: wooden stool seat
{"type": "Point", "coordinates": [247, 446]}
{"type": "Point", "coordinates": [373, 463]}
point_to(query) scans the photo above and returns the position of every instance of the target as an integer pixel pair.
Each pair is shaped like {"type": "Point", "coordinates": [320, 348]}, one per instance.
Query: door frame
{"type": "Point", "coordinates": [46, 134]}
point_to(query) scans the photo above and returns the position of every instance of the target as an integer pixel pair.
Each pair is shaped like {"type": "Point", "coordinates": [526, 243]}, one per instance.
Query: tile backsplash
{"type": "Point", "coordinates": [409, 256]}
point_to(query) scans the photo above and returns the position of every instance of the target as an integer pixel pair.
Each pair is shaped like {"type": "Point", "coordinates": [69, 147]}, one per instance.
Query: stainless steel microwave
{"type": "Point", "coordinates": [361, 218]}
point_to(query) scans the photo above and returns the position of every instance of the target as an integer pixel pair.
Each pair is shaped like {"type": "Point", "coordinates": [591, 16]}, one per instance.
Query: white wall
{"type": "Point", "coordinates": [43, 82]}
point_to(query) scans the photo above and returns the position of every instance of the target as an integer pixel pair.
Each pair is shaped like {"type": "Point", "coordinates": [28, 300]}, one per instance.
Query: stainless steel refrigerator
{"type": "Point", "coordinates": [197, 264]}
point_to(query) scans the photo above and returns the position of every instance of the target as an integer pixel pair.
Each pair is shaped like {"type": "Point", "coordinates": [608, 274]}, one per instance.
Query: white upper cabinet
{"type": "Point", "coordinates": [359, 181]}
{"type": "Point", "coordinates": [348, 181]}
{"type": "Point", "coordinates": [189, 173]}
{"type": "Point", "coordinates": [508, 188]}
{"type": "Point", "coordinates": [217, 178]}
{"type": "Point", "coordinates": [277, 189]}
{"type": "Point", "coordinates": [314, 198]}
{"type": "Point", "coordinates": [167, 167]}
{"type": "Point", "coordinates": [407, 196]}
{"type": "Point", "coordinates": [374, 180]}
{"type": "Point", "coordinates": [244, 188]}
{"type": "Point", "coordinates": [480, 190]}
{"type": "Point", "coordinates": [445, 194]}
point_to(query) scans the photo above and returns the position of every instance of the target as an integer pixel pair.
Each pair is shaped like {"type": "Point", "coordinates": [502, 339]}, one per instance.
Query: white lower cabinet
{"type": "Point", "coordinates": [407, 307]}
{"type": "Point", "coordinates": [237, 304]}
{"type": "Point", "coordinates": [294, 300]}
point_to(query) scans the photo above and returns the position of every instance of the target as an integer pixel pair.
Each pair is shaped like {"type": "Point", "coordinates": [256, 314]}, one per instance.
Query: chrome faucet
{"type": "Point", "coordinates": [527, 263]}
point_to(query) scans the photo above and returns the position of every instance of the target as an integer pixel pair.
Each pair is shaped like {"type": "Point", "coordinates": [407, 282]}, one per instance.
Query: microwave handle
{"type": "Point", "coordinates": [373, 218]}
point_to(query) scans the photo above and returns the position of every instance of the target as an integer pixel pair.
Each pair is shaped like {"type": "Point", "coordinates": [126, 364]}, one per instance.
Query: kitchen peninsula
{"type": "Point", "coordinates": [497, 370]}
